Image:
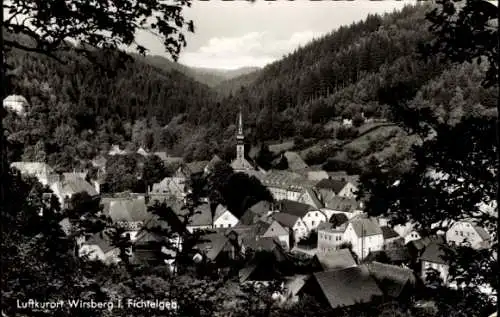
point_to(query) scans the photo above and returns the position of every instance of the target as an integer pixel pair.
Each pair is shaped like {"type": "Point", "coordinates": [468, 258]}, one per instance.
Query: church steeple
{"type": "Point", "coordinates": [240, 138]}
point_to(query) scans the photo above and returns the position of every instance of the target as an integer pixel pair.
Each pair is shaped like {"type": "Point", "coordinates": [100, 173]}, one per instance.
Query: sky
{"type": "Point", "coordinates": [235, 34]}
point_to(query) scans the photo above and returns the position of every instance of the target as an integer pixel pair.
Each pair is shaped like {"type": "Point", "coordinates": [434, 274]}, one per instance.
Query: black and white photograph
{"type": "Point", "coordinates": [190, 158]}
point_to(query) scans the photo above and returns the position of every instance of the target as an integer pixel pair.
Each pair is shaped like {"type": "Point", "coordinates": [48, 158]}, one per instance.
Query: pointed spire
{"type": "Point", "coordinates": [240, 123]}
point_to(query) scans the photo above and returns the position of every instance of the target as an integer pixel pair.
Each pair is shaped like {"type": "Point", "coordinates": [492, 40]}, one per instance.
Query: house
{"type": "Point", "coordinates": [115, 150]}
{"type": "Point", "coordinates": [407, 232]}
{"type": "Point", "coordinates": [284, 184]}
{"type": "Point", "coordinates": [391, 237]}
{"type": "Point", "coordinates": [417, 247]}
{"type": "Point", "coordinates": [311, 216]}
{"type": "Point", "coordinates": [365, 235]}
{"type": "Point", "coordinates": [333, 204]}
{"type": "Point", "coordinates": [223, 218]}
{"type": "Point", "coordinates": [330, 237]}
{"type": "Point", "coordinates": [338, 219]}
{"type": "Point", "coordinates": [395, 282]}
{"type": "Point", "coordinates": [434, 257]}
{"type": "Point", "coordinates": [342, 288]}
{"type": "Point", "coordinates": [129, 214]}
{"type": "Point", "coordinates": [256, 212]}
{"type": "Point", "coordinates": [196, 168]}
{"type": "Point", "coordinates": [292, 287]}
{"type": "Point", "coordinates": [469, 233]}
{"type": "Point", "coordinates": [70, 184]}
{"type": "Point", "coordinates": [333, 260]}
{"type": "Point", "coordinates": [316, 174]}
{"type": "Point", "coordinates": [311, 198]}
{"type": "Point", "coordinates": [216, 247]}
{"type": "Point", "coordinates": [264, 266]}
{"type": "Point", "coordinates": [99, 247]}
{"type": "Point", "coordinates": [168, 186]}
{"type": "Point", "coordinates": [396, 256]}
{"type": "Point", "coordinates": [200, 220]}
{"type": "Point", "coordinates": [293, 223]}
{"type": "Point", "coordinates": [17, 104]}
{"type": "Point", "coordinates": [42, 171]}
{"type": "Point", "coordinates": [279, 233]}
{"type": "Point", "coordinates": [340, 188]}
{"type": "Point", "coordinates": [141, 151]}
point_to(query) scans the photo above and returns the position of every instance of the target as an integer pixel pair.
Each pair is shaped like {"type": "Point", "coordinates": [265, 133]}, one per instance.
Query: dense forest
{"type": "Point", "coordinates": [77, 110]}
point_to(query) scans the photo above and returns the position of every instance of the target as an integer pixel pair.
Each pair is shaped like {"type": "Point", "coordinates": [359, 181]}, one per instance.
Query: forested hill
{"type": "Point", "coordinates": [77, 109]}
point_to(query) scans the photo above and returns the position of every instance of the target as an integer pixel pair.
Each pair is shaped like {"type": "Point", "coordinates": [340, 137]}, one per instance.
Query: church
{"type": "Point", "coordinates": [240, 163]}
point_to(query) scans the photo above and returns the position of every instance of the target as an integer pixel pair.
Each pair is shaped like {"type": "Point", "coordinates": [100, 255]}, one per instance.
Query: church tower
{"type": "Point", "coordinates": [240, 139]}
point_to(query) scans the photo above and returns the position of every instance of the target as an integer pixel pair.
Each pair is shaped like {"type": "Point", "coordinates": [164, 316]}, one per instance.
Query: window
{"type": "Point", "coordinates": [461, 233]}
{"type": "Point", "coordinates": [456, 232]}
{"type": "Point", "coordinates": [312, 223]}
{"type": "Point", "coordinates": [330, 238]}
{"type": "Point", "coordinates": [316, 214]}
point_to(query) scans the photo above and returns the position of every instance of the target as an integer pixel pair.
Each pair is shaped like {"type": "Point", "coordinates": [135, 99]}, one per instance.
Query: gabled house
{"type": "Point", "coordinates": [343, 288]}
{"type": "Point", "coordinates": [129, 214]}
{"type": "Point", "coordinates": [311, 198]}
{"type": "Point", "coordinates": [278, 232]}
{"type": "Point", "coordinates": [69, 184]}
{"type": "Point", "coordinates": [434, 257]}
{"type": "Point", "coordinates": [256, 212]}
{"type": "Point", "coordinates": [311, 216]}
{"type": "Point", "coordinates": [340, 188]}
{"type": "Point", "coordinates": [200, 220]}
{"type": "Point", "coordinates": [397, 256]}
{"type": "Point", "coordinates": [42, 171]}
{"type": "Point", "coordinates": [467, 232]}
{"type": "Point", "coordinates": [365, 235]}
{"type": "Point", "coordinates": [216, 248]}
{"type": "Point", "coordinates": [391, 237]}
{"type": "Point", "coordinates": [223, 218]}
{"type": "Point", "coordinates": [293, 223]}
{"type": "Point", "coordinates": [395, 282]}
{"type": "Point", "coordinates": [99, 247]}
{"type": "Point", "coordinates": [330, 237]}
{"type": "Point", "coordinates": [17, 104]}
{"type": "Point", "coordinates": [333, 260]}
{"type": "Point", "coordinates": [212, 163]}
{"type": "Point", "coordinates": [264, 266]}
{"type": "Point", "coordinates": [333, 204]}
{"type": "Point", "coordinates": [407, 232]}
{"type": "Point", "coordinates": [168, 186]}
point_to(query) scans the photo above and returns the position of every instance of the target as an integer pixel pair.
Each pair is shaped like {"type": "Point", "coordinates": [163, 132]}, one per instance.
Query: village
{"type": "Point", "coordinates": [316, 217]}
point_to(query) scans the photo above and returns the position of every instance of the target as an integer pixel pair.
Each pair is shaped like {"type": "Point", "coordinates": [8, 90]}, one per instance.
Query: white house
{"type": "Point", "coordinates": [129, 214]}
{"type": "Point", "coordinates": [434, 258]}
{"type": "Point", "coordinates": [311, 216]}
{"type": "Point", "coordinates": [365, 236]}
{"type": "Point", "coordinates": [42, 171]}
{"type": "Point", "coordinates": [292, 222]}
{"type": "Point", "coordinates": [223, 218]}
{"type": "Point", "coordinates": [342, 188]}
{"type": "Point", "coordinates": [69, 185]}
{"type": "Point", "coordinates": [330, 237]}
{"type": "Point", "coordinates": [278, 231]}
{"type": "Point", "coordinates": [407, 232]}
{"type": "Point", "coordinates": [467, 232]}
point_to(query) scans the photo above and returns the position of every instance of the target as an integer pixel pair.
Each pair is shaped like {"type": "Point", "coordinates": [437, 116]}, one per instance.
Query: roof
{"type": "Point", "coordinates": [172, 160]}
{"type": "Point", "coordinates": [314, 197]}
{"type": "Point", "coordinates": [348, 286]}
{"type": "Point", "coordinates": [295, 208]}
{"type": "Point", "coordinates": [201, 217]}
{"type": "Point", "coordinates": [212, 244]}
{"type": "Point", "coordinates": [101, 240]}
{"type": "Point", "coordinates": [317, 175]}
{"type": "Point", "coordinates": [130, 210]}
{"type": "Point", "coordinates": [336, 260]}
{"type": "Point", "coordinates": [219, 211]}
{"type": "Point", "coordinates": [215, 159]}
{"type": "Point", "coordinates": [332, 184]}
{"type": "Point", "coordinates": [15, 98]}
{"type": "Point", "coordinates": [391, 279]}
{"type": "Point", "coordinates": [162, 155]}
{"type": "Point", "coordinates": [338, 219]}
{"type": "Point", "coordinates": [295, 162]}
{"type": "Point", "coordinates": [392, 255]}
{"type": "Point", "coordinates": [388, 232]}
{"type": "Point", "coordinates": [338, 203]}
{"type": "Point", "coordinates": [75, 184]}
{"type": "Point", "coordinates": [482, 233]}
{"type": "Point", "coordinates": [262, 244]}
{"type": "Point", "coordinates": [435, 253]}
{"type": "Point", "coordinates": [328, 226]}
{"type": "Point", "coordinates": [65, 225]}
{"type": "Point", "coordinates": [197, 167]}
{"type": "Point", "coordinates": [364, 227]}
{"type": "Point", "coordinates": [294, 283]}
{"type": "Point", "coordinates": [283, 179]}
{"type": "Point", "coordinates": [241, 164]}
{"type": "Point", "coordinates": [261, 208]}
{"type": "Point", "coordinates": [284, 219]}
{"type": "Point", "coordinates": [32, 168]}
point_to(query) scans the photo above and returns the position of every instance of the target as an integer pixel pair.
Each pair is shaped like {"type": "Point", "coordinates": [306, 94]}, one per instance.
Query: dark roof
{"type": "Point", "coordinates": [347, 287]}
{"type": "Point", "coordinates": [435, 253]}
{"type": "Point", "coordinates": [201, 217]}
{"type": "Point", "coordinates": [102, 241]}
{"type": "Point", "coordinates": [391, 279]}
{"type": "Point", "coordinates": [295, 208]}
{"type": "Point", "coordinates": [215, 159]}
{"type": "Point", "coordinates": [336, 260]}
{"type": "Point", "coordinates": [333, 202]}
{"type": "Point", "coordinates": [331, 184]}
{"type": "Point", "coordinates": [261, 208]}
{"type": "Point", "coordinates": [212, 244]}
{"type": "Point", "coordinates": [392, 255]}
{"type": "Point", "coordinates": [161, 155]}
{"type": "Point", "coordinates": [338, 219]}
{"type": "Point", "coordinates": [285, 219]}
{"type": "Point", "coordinates": [364, 227]}
{"type": "Point", "coordinates": [130, 210]}
{"type": "Point", "coordinates": [388, 232]}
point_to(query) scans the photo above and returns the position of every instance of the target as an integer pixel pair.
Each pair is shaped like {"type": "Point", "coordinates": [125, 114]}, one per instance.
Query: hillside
{"type": "Point", "coordinates": [208, 76]}
{"type": "Point", "coordinates": [355, 70]}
